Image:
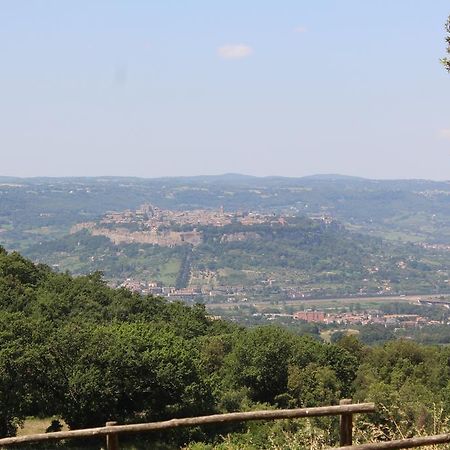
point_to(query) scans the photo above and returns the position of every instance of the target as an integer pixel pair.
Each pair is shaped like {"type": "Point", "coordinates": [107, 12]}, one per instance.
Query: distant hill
{"type": "Point", "coordinates": [401, 227]}
{"type": "Point", "coordinates": [279, 258]}
{"type": "Point", "coordinates": [37, 209]}
{"type": "Point", "coordinates": [332, 177]}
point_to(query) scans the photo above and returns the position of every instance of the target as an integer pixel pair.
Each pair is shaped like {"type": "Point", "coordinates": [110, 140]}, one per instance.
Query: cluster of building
{"type": "Point", "coordinates": [154, 217]}
{"type": "Point", "coordinates": [152, 225]}
{"type": "Point", "coordinates": [142, 287]}
{"type": "Point", "coordinates": [441, 247]}
{"type": "Point", "coordinates": [189, 294]}
{"type": "Point", "coordinates": [364, 318]}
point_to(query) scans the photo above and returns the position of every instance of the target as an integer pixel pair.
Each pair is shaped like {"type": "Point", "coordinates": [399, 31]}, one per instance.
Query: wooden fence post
{"type": "Point", "coordinates": [346, 425]}
{"type": "Point", "coordinates": [112, 440]}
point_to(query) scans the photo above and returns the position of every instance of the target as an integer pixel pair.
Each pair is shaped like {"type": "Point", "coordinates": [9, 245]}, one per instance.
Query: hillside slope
{"type": "Point", "coordinates": [297, 258]}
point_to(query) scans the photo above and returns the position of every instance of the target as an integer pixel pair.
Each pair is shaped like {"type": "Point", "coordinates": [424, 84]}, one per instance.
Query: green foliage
{"type": "Point", "coordinates": [124, 372]}
{"type": "Point", "coordinates": [313, 385]}
{"type": "Point", "coordinates": [405, 376]}
{"type": "Point", "coordinates": [259, 361]}
{"type": "Point", "coordinates": [446, 61]}
{"type": "Point", "coordinates": [21, 368]}
{"type": "Point", "coordinates": [75, 349]}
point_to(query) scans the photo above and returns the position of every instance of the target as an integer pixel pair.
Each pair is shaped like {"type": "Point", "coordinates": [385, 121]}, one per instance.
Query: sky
{"type": "Point", "coordinates": [191, 87]}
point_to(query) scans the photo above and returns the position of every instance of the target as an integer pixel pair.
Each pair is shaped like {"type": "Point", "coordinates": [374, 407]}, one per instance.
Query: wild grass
{"type": "Point", "coordinates": [396, 424]}
{"type": "Point", "coordinates": [300, 434]}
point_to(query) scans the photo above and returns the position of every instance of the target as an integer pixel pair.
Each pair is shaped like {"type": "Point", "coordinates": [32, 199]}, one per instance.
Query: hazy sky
{"type": "Point", "coordinates": [163, 87]}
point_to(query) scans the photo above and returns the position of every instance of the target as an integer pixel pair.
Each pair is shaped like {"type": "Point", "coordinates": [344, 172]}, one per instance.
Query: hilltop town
{"type": "Point", "coordinates": [152, 225]}
{"type": "Point", "coordinates": [232, 253]}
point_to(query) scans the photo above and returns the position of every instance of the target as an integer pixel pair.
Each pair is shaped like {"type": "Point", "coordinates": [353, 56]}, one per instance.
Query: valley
{"type": "Point", "coordinates": [236, 239]}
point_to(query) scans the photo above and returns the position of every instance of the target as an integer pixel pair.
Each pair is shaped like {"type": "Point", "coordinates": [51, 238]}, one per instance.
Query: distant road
{"type": "Point", "coordinates": [330, 301]}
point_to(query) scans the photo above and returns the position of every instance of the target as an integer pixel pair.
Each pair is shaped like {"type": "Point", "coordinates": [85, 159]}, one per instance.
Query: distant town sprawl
{"type": "Point", "coordinates": [371, 316]}
{"type": "Point", "coordinates": [152, 225]}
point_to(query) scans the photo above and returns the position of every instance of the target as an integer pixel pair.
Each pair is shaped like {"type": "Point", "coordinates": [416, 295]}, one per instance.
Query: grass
{"type": "Point", "coordinates": [6, 227]}
{"type": "Point", "coordinates": [36, 425]}
{"type": "Point", "coordinates": [326, 335]}
{"type": "Point", "coordinates": [46, 231]}
{"type": "Point", "coordinates": [365, 302]}
{"type": "Point", "coordinates": [169, 271]}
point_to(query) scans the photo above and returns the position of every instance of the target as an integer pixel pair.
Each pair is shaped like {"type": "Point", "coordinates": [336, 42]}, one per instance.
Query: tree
{"type": "Point", "coordinates": [313, 385]}
{"type": "Point", "coordinates": [21, 367]}
{"type": "Point", "coordinates": [124, 372]}
{"type": "Point", "coordinates": [446, 61]}
{"type": "Point", "coordinates": [259, 362]}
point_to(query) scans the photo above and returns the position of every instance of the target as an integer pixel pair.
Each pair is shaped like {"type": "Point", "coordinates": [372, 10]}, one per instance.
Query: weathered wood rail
{"type": "Point", "coordinates": [345, 409]}
{"type": "Point", "coordinates": [422, 441]}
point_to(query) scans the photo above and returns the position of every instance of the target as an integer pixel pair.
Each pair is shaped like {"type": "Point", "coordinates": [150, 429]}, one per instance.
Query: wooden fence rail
{"type": "Point", "coordinates": [401, 443]}
{"type": "Point", "coordinates": [345, 409]}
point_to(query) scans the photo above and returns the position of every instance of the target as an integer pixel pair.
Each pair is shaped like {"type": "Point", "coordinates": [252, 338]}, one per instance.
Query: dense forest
{"type": "Point", "coordinates": [78, 350]}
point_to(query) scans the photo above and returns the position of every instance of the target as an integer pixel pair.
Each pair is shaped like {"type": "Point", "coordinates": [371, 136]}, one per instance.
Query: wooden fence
{"type": "Point", "coordinates": [422, 441]}
{"type": "Point", "coordinates": [345, 409]}
{"type": "Point", "coordinates": [112, 430]}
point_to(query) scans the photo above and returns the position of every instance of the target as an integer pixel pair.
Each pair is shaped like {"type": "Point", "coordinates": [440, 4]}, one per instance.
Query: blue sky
{"type": "Point", "coordinates": [166, 88]}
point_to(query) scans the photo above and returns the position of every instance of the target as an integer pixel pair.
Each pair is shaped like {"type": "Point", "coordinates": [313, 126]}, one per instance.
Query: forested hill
{"type": "Point", "coordinates": [76, 349]}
